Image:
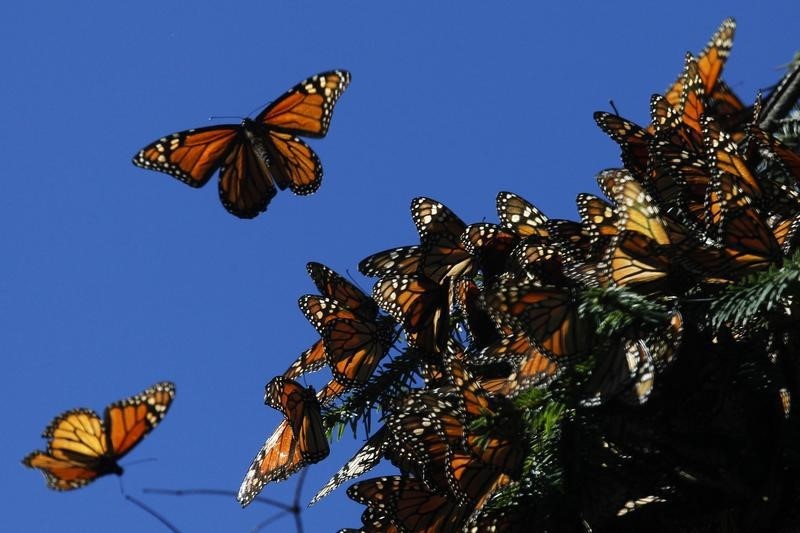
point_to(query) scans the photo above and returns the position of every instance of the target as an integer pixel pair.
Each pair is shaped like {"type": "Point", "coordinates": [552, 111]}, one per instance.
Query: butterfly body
{"type": "Point", "coordinates": [258, 156]}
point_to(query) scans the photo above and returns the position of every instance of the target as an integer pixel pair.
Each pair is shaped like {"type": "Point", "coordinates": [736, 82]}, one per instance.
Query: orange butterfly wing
{"type": "Point", "coordinates": [192, 156]}
{"type": "Point", "coordinates": [129, 421]}
{"type": "Point", "coordinates": [246, 182]}
{"type": "Point", "coordinates": [297, 441]}
{"type": "Point", "coordinates": [306, 108]}
{"type": "Point", "coordinates": [77, 452]}
{"type": "Point", "coordinates": [354, 348]}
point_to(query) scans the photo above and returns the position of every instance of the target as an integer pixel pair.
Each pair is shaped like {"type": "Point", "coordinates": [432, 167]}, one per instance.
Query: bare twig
{"type": "Point", "coordinates": [152, 512]}
{"type": "Point", "coordinates": [294, 509]}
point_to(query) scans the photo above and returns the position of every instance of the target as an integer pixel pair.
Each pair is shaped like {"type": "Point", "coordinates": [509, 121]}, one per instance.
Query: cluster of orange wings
{"type": "Point", "coordinates": [490, 310]}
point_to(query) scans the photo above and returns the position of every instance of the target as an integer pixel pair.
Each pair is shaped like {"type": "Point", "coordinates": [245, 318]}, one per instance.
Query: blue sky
{"type": "Point", "coordinates": [113, 277]}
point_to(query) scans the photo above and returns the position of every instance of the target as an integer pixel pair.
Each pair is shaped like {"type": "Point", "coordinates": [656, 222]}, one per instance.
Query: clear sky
{"type": "Point", "coordinates": [113, 277]}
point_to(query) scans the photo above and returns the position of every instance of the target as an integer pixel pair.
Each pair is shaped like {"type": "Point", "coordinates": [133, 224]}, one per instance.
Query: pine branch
{"type": "Point", "coordinates": [751, 301]}
{"type": "Point", "coordinates": [615, 309]}
{"type": "Point", "coordinates": [381, 389]}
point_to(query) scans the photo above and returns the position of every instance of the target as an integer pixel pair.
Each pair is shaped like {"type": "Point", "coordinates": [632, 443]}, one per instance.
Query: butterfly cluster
{"type": "Point", "coordinates": [518, 362]}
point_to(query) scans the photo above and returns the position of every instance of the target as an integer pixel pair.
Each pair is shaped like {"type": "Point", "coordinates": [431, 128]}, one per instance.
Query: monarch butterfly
{"type": "Point", "coordinates": [342, 300]}
{"type": "Point", "coordinates": [747, 242]}
{"type": "Point", "coordinates": [298, 440]}
{"type": "Point", "coordinates": [785, 157]}
{"type": "Point", "coordinates": [479, 325]}
{"type": "Point", "coordinates": [83, 447]}
{"type": "Point", "coordinates": [409, 504]}
{"type": "Point", "coordinates": [530, 366]}
{"type": "Point", "coordinates": [710, 61]}
{"type": "Point", "coordinates": [783, 194]}
{"type": "Point", "coordinates": [545, 262]}
{"type": "Point", "coordinates": [630, 366]}
{"type": "Point", "coordinates": [403, 260]}
{"type": "Point", "coordinates": [420, 305]}
{"type": "Point", "coordinates": [425, 429]}
{"type": "Point", "coordinates": [363, 461]}
{"type": "Point", "coordinates": [520, 216]}
{"type": "Point", "coordinates": [598, 216]}
{"type": "Point", "coordinates": [440, 230]}
{"type": "Point", "coordinates": [633, 140]}
{"type": "Point", "coordinates": [569, 235]}
{"type": "Point", "coordinates": [599, 221]}
{"type": "Point", "coordinates": [723, 156]}
{"type": "Point", "coordinates": [334, 286]}
{"type": "Point", "coordinates": [548, 315]}
{"type": "Point", "coordinates": [354, 348]}
{"type": "Point", "coordinates": [639, 253]}
{"type": "Point", "coordinates": [730, 111]}
{"type": "Point", "coordinates": [319, 310]}
{"type": "Point", "coordinates": [499, 446]}
{"type": "Point", "coordinates": [691, 106]}
{"type": "Point", "coordinates": [786, 233]}
{"type": "Point", "coordinates": [258, 156]}
{"type": "Point", "coordinates": [490, 245]}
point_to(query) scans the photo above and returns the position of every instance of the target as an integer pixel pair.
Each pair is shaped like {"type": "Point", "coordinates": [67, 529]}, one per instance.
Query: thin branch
{"type": "Point", "coordinates": [153, 513]}
{"type": "Point", "coordinates": [217, 492]}
{"type": "Point", "coordinates": [268, 521]}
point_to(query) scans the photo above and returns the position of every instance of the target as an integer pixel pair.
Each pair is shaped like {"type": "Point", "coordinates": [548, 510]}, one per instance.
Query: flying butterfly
{"type": "Point", "coordinates": [83, 447]}
{"type": "Point", "coordinates": [298, 440]}
{"type": "Point", "coordinates": [256, 157]}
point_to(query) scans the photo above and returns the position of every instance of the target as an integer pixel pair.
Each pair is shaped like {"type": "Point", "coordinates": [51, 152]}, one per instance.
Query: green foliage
{"type": "Point", "coordinates": [616, 309]}
{"type": "Point", "coordinates": [759, 298]}
{"type": "Point", "coordinates": [395, 378]}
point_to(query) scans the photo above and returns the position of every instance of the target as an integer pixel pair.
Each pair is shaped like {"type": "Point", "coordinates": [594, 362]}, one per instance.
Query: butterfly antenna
{"type": "Point", "coordinates": [139, 461]}
{"type": "Point", "coordinates": [357, 284]}
{"type": "Point", "coordinates": [262, 106]}
{"type": "Point", "coordinates": [227, 117]}
{"type": "Point", "coordinates": [217, 492]}
{"type": "Point", "coordinates": [153, 513]}
{"type": "Point", "coordinates": [614, 107]}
